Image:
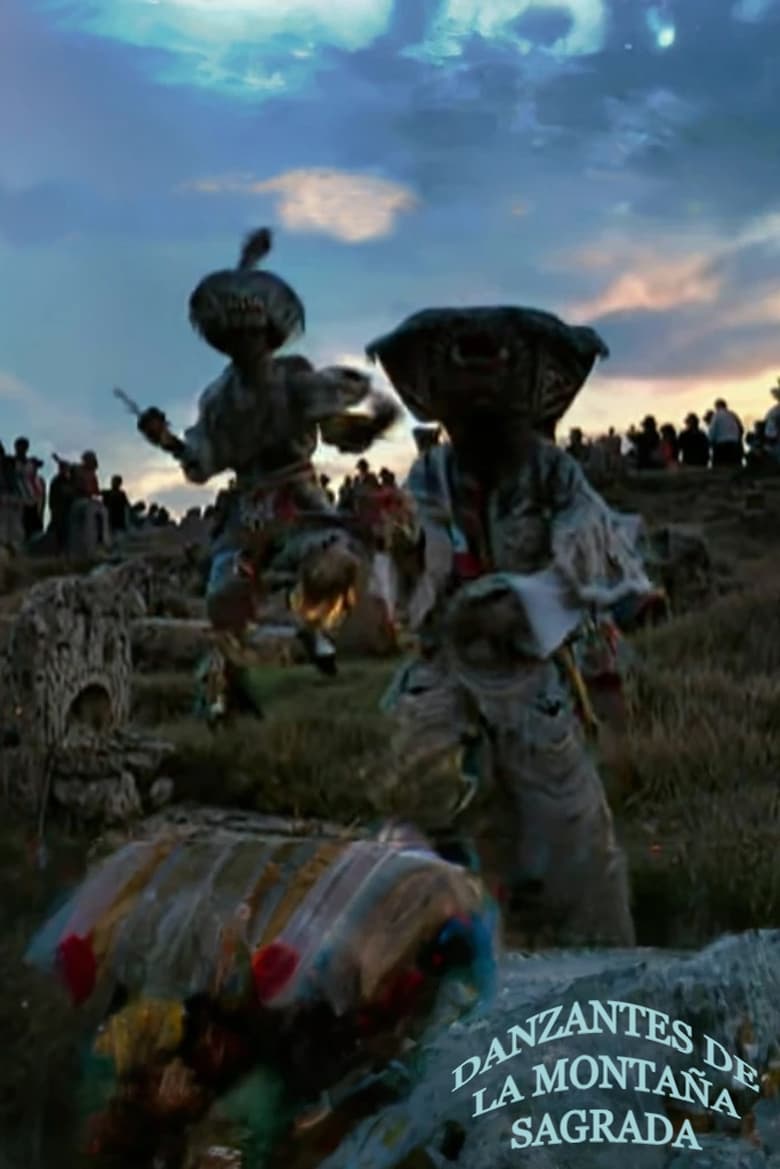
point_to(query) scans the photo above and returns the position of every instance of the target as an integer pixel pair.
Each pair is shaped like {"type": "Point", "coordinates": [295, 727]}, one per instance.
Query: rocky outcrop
{"type": "Point", "coordinates": [65, 674]}
{"type": "Point", "coordinates": [89, 531]}
{"type": "Point", "coordinates": [171, 644]}
{"type": "Point", "coordinates": [730, 992]}
{"type": "Point", "coordinates": [11, 525]}
{"type": "Point", "coordinates": [168, 643]}
{"type": "Point", "coordinates": [680, 559]}
{"type": "Point", "coordinates": [111, 779]}
{"type": "Point", "coordinates": [367, 632]}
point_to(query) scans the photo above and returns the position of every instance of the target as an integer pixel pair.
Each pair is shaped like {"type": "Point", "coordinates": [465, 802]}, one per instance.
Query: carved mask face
{"type": "Point", "coordinates": [514, 365]}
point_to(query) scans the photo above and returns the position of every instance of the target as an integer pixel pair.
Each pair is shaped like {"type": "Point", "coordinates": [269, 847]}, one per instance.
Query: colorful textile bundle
{"type": "Point", "coordinates": [227, 953]}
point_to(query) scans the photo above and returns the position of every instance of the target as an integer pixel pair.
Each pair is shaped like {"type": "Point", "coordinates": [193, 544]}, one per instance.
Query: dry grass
{"type": "Point", "coordinates": [312, 754]}
{"type": "Point", "coordinates": [704, 765]}
{"type": "Point", "coordinates": [695, 793]}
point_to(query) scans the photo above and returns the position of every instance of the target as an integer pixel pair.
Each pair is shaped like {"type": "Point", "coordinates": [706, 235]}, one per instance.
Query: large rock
{"type": "Point", "coordinates": [110, 779]}
{"type": "Point", "coordinates": [169, 643]}
{"type": "Point", "coordinates": [11, 523]}
{"type": "Point", "coordinates": [681, 560]}
{"type": "Point", "coordinates": [173, 644]}
{"type": "Point", "coordinates": [717, 992]}
{"type": "Point", "coordinates": [89, 531]}
{"type": "Point", "coordinates": [367, 632]}
{"type": "Point", "coordinates": [65, 667]}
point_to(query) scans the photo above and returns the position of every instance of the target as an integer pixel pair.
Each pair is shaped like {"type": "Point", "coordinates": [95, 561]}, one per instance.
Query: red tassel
{"type": "Point", "coordinates": [272, 968]}
{"type": "Point", "coordinates": [401, 995]}
{"type": "Point", "coordinates": [397, 1002]}
{"type": "Point", "coordinates": [78, 966]}
{"type": "Point", "coordinates": [467, 566]}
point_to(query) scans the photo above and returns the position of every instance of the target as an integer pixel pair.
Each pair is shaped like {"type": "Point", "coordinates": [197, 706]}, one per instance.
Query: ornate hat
{"type": "Point", "coordinates": [519, 353]}
{"type": "Point", "coordinates": [229, 304]}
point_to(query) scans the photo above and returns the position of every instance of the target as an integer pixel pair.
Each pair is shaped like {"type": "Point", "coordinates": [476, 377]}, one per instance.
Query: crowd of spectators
{"type": "Point", "coordinates": [374, 498]}
{"type": "Point", "coordinates": [48, 510]}
{"type": "Point", "coordinates": [716, 440]}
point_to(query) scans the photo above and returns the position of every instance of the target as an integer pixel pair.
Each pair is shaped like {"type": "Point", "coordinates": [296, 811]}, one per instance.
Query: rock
{"type": "Point", "coordinates": [165, 643]}
{"type": "Point", "coordinates": [195, 531]}
{"type": "Point", "coordinates": [713, 991]}
{"type": "Point", "coordinates": [186, 818]}
{"type": "Point", "coordinates": [107, 801]}
{"type": "Point", "coordinates": [65, 665]}
{"type": "Point", "coordinates": [141, 754]}
{"type": "Point", "coordinates": [679, 556]}
{"type": "Point", "coordinates": [768, 1125]}
{"type": "Point", "coordinates": [107, 778]}
{"type": "Point", "coordinates": [89, 532]}
{"type": "Point", "coordinates": [11, 525]}
{"type": "Point", "coordinates": [161, 793]}
{"type": "Point", "coordinates": [6, 568]}
{"type": "Point", "coordinates": [172, 602]}
{"type": "Point", "coordinates": [717, 1154]}
{"type": "Point", "coordinates": [367, 631]}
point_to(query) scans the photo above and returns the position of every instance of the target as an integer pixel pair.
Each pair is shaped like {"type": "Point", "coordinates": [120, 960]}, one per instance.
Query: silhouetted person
{"type": "Point", "coordinates": [761, 454]}
{"type": "Point", "coordinates": [577, 448]}
{"type": "Point", "coordinates": [325, 485]}
{"type": "Point", "coordinates": [694, 444]}
{"type": "Point", "coordinates": [726, 433]}
{"type": "Point", "coordinates": [771, 426]}
{"type": "Point", "coordinates": [86, 475]}
{"type": "Point", "coordinates": [29, 487]}
{"type": "Point", "coordinates": [647, 443]}
{"type": "Point", "coordinates": [669, 445]}
{"type": "Point", "coordinates": [346, 494]}
{"type": "Point", "coordinates": [62, 492]}
{"type": "Point", "coordinates": [6, 472]}
{"type": "Point", "coordinates": [117, 505]}
{"type": "Point", "coordinates": [138, 514]}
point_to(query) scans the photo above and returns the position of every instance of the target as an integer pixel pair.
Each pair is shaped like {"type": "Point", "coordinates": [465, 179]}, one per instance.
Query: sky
{"type": "Point", "coordinates": [616, 162]}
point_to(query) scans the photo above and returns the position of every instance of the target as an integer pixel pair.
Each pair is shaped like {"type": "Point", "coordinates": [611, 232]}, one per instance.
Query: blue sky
{"type": "Point", "coordinates": [615, 161]}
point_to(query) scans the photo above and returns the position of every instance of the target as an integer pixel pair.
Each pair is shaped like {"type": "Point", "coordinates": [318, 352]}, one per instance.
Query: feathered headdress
{"type": "Point", "coordinates": [229, 305]}
{"type": "Point", "coordinates": [255, 248]}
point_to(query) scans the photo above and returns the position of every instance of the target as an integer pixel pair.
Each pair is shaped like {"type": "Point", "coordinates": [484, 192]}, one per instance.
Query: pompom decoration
{"type": "Point", "coordinates": [468, 942]}
{"type": "Point", "coordinates": [397, 1002]}
{"type": "Point", "coordinates": [272, 968]}
{"type": "Point", "coordinates": [401, 996]}
{"type": "Point", "coordinates": [77, 966]}
{"type": "Point", "coordinates": [453, 945]}
{"type": "Point", "coordinates": [467, 566]}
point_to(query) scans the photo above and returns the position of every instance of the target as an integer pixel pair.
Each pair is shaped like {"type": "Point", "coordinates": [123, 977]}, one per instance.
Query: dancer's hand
{"type": "Point", "coordinates": [153, 425]}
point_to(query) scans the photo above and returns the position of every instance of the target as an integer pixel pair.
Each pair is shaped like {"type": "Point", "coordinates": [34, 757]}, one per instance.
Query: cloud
{"type": "Point", "coordinates": [353, 208]}
{"type": "Point", "coordinates": [751, 11]}
{"type": "Point", "coordinates": [702, 288]}
{"type": "Point", "coordinates": [13, 389]}
{"type": "Point", "coordinates": [655, 285]}
{"type": "Point", "coordinates": [250, 48]}
{"type": "Point", "coordinates": [158, 483]}
{"type": "Point", "coordinates": [651, 175]}
{"type": "Point", "coordinates": [563, 27]}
